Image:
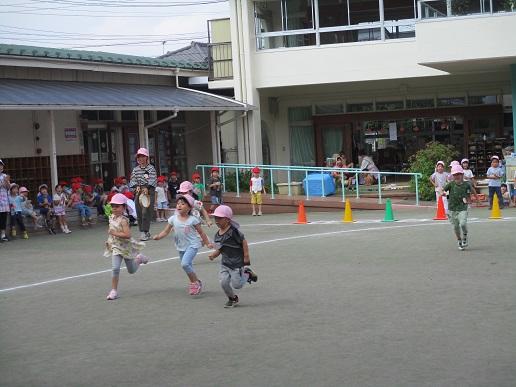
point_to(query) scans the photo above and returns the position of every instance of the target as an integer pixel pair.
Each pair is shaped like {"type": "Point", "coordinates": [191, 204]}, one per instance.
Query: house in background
{"type": "Point", "coordinates": [386, 76]}
{"type": "Point", "coordinates": [66, 113]}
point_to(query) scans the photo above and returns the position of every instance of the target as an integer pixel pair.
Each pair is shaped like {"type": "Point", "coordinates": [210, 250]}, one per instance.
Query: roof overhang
{"type": "Point", "coordinates": [23, 94]}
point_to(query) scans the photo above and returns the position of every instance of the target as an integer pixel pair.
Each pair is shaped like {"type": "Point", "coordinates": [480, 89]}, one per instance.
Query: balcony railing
{"type": "Point", "coordinates": [220, 61]}
{"type": "Point", "coordinates": [430, 9]}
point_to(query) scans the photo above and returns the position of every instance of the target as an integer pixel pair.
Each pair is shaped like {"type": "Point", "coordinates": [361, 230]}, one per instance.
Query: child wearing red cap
{"type": "Point", "coordinates": [256, 188]}
{"type": "Point", "coordinates": [173, 186]}
{"type": "Point", "coordinates": [77, 201]}
{"type": "Point", "coordinates": [215, 186]}
{"type": "Point", "coordinates": [198, 187]}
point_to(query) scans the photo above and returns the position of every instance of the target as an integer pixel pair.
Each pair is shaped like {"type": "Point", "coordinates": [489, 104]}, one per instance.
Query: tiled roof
{"type": "Point", "coordinates": [196, 52]}
{"type": "Point", "coordinates": [99, 57]}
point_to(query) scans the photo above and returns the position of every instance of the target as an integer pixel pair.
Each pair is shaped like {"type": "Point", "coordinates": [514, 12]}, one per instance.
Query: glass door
{"type": "Point", "coordinates": [99, 143]}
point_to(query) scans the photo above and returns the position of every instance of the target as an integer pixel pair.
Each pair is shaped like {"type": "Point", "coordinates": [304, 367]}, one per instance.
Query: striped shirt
{"type": "Point", "coordinates": [143, 176]}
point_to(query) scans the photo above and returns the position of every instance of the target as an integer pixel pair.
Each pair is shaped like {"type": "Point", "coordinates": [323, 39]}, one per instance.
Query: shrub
{"type": "Point", "coordinates": [424, 162]}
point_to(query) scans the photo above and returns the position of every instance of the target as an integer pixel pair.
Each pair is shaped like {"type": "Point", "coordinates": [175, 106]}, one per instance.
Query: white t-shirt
{"type": "Point", "coordinates": [440, 180]}
{"type": "Point", "coordinates": [131, 207]}
{"type": "Point", "coordinates": [162, 197]}
{"type": "Point", "coordinates": [368, 164]}
{"type": "Point", "coordinates": [256, 184]}
{"type": "Point", "coordinates": [468, 174]}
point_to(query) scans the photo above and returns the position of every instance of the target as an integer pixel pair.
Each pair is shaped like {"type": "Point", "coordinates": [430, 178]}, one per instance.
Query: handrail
{"type": "Point", "coordinates": [292, 168]}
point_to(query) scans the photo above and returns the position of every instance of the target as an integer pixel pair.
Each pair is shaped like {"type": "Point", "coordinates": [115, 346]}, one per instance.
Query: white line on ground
{"type": "Point", "coordinates": [391, 226]}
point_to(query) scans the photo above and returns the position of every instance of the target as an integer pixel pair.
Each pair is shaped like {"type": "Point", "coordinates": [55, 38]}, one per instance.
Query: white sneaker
{"type": "Point", "coordinates": [113, 295]}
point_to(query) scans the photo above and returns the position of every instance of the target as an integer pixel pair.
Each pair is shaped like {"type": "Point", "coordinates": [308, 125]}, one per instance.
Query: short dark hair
{"type": "Point", "coordinates": [504, 185]}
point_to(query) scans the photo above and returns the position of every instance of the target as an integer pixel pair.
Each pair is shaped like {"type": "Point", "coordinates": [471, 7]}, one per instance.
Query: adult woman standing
{"type": "Point", "coordinates": [4, 202]}
{"type": "Point", "coordinates": [143, 181]}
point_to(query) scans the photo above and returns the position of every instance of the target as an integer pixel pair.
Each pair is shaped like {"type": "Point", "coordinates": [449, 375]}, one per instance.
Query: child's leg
{"type": "Point", "coordinates": [500, 198]}
{"type": "Point", "coordinates": [225, 281]}
{"type": "Point", "coordinates": [116, 262]}
{"type": "Point", "coordinates": [463, 223]}
{"type": "Point", "coordinates": [491, 194]}
{"type": "Point", "coordinates": [454, 220]}
{"type": "Point", "coordinates": [187, 258]}
{"type": "Point", "coordinates": [238, 278]}
{"type": "Point", "coordinates": [87, 211]}
{"type": "Point", "coordinates": [445, 202]}
{"type": "Point", "coordinates": [132, 265]}
{"type": "Point", "coordinates": [19, 221]}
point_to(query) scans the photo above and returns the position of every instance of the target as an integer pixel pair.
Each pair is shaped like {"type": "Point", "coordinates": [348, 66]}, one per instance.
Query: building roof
{"type": "Point", "coordinates": [23, 94]}
{"type": "Point", "coordinates": [99, 57]}
{"type": "Point", "coordinates": [196, 52]}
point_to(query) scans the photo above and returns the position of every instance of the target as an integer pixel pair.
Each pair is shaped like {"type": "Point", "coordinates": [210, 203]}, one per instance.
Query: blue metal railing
{"type": "Point", "coordinates": [289, 169]}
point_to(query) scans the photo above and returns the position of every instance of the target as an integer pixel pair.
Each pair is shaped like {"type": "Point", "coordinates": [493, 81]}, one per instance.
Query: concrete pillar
{"type": "Point", "coordinates": [215, 138]}
{"type": "Point", "coordinates": [54, 178]}
{"type": "Point", "coordinates": [142, 132]}
{"type": "Point", "coordinates": [513, 84]}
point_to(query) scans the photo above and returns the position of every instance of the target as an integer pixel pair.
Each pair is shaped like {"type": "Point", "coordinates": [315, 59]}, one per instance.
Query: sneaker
{"type": "Point", "coordinates": [459, 243]}
{"type": "Point", "coordinates": [192, 288]}
{"type": "Point", "coordinates": [252, 275]}
{"type": "Point", "coordinates": [465, 241]}
{"type": "Point", "coordinates": [3, 238]}
{"type": "Point", "coordinates": [142, 259]}
{"type": "Point", "coordinates": [113, 295]}
{"type": "Point", "coordinates": [145, 236]}
{"type": "Point", "coordinates": [199, 287]}
{"type": "Point", "coordinates": [259, 213]}
{"type": "Point", "coordinates": [25, 235]}
{"type": "Point", "coordinates": [231, 302]}
{"type": "Point", "coordinates": [67, 230]}
{"type": "Point", "coordinates": [254, 213]}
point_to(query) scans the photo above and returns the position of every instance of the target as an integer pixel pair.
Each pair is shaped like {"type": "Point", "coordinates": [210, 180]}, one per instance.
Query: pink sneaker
{"type": "Point", "coordinates": [113, 295]}
{"type": "Point", "coordinates": [142, 259]}
{"type": "Point", "coordinates": [192, 288]}
{"type": "Point", "coordinates": [199, 288]}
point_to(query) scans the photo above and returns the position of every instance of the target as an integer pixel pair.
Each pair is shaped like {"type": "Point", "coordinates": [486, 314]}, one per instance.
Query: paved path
{"type": "Point", "coordinates": [362, 304]}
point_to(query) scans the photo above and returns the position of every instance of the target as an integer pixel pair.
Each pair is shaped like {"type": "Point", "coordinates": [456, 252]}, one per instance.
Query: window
{"type": "Point", "coordinates": [420, 103]}
{"type": "Point", "coordinates": [482, 100]}
{"type": "Point", "coordinates": [360, 107]}
{"type": "Point", "coordinates": [451, 101]}
{"type": "Point", "coordinates": [106, 115]}
{"type": "Point", "coordinates": [283, 15]}
{"type": "Point", "coordinates": [129, 115]}
{"type": "Point", "coordinates": [333, 13]}
{"type": "Point", "coordinates": [329, 109]}
{"type": "Point", "coordinates": [389, 105]}
{"type": "Point", "coordinates": [302, 138]}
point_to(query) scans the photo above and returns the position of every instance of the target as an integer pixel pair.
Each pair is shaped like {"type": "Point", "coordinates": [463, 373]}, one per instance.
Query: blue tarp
{"type": "Point", "coordinates": [313, 184]}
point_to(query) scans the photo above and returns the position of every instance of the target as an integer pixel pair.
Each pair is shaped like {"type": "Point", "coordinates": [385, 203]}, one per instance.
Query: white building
{"type": "Point", "coordinates": [385, 75]}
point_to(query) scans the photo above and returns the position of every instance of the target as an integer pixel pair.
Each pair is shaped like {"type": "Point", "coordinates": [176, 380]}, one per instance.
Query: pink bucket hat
{"type": "Point", "coordinates": [185, 187]}
{"type": "Point", "coordinates": [454, 162]}
{"type": "Point", "coordinates": [464, 161]}
{"type": "Point", "coordinates": [142, 152]}
{"type": "Point", "coordinates": [225, 212]}
{"type": "Point", "coordinates": [456, 169]}
{"type": "Point", "coordinates": [23, 189]}
{"type": "Point", "coordinates": [439, 162]}
{"type": "Point", "coordinates": [188, 198]}
{"type": "Point", "coordinates": [118, 199]}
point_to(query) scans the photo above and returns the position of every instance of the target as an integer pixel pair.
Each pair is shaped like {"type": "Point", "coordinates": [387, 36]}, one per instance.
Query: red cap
{"type": "Point", "coordinates": [76, 186]}
{"type": "Point", "coordinates": [88, 189]}
{"type": "Point", "coordinates": [162, 179]}
{"type": "Point", "coordinates": [128, 195]}
{"type": "Point", "coordinates": [196, 175]}
{"type": "Point", "coordinates": [255, 170]}
{"type": "Point", "coordinates": [63, 183]}
{"type": "Point", "coordinates": [215, 169]}
{"type": "Point", "coordinates": [173, 173]}
{"type": "Point", "coordinates": [110, 195]}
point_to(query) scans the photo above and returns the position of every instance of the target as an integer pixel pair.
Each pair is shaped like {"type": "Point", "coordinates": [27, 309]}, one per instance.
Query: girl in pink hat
{"type": "Point", "coordinates": [232, 245]}
{"type": "Point", "coordinates": [438, 179]}
{"type": "Point", "coordinates": [188, 237]}
{"type": "Point", "coordinates": [120, 246]}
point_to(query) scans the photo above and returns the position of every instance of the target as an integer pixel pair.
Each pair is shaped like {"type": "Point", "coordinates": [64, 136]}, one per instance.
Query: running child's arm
{"type": "Point", "coordinates": [246, 252]}
{"type": "Point", "coordinates": [205, 240]}
{"type": "Point", "coordinates": [206, 217]}
{"type": "Point", "coordinates": [163, 233]}
{"type": "Point", "coordinates": [214, 255]}
{"type": "Point", "coordinates": [124, 234]}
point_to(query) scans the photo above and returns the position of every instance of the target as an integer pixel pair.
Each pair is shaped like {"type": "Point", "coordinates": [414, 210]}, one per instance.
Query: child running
{"type": "Point", "coordinates": [188, 237]}
{"type": "Point", "coordinates": [231, 243]}
{"type": "Point", "coordinates": [120, 246]}
{"type": "Point", "coordinates": [459, 197]}
{"type": "Point", "coordinates": [60, 208]}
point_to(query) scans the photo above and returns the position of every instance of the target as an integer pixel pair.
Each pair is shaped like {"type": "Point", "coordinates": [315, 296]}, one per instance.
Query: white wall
{"type": "Point", "coordinates": [18, 135]}
{"type": "Point", "coordinates": [467, 38]}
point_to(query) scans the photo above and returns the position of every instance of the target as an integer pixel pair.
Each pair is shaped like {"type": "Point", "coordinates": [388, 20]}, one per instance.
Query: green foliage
{"type": "Point", "coordinates": [244, 179]}
{"type": "Point", "coordinates": [424, 162]}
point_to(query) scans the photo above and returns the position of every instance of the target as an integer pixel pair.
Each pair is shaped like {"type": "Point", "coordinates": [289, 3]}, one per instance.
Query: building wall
{"type": "Point", "coordinates": [19, 135]}
{"type": "Point", "coordinates": [12, 72]}
{"type": "Point", "coordinates": [198, 139]}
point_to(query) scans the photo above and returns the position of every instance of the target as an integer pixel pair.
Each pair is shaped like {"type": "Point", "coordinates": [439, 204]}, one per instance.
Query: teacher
{"type": "Point", "coordinates": [143, 182]}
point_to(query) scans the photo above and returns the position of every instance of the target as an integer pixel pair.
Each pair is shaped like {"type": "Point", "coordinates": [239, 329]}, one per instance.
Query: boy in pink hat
{"type": "Point", "coordinates": [256, 188]}
{"type": "Point", "coordinates": [459, 197]}
{"type": "Point", "coordinates": [231, 244]}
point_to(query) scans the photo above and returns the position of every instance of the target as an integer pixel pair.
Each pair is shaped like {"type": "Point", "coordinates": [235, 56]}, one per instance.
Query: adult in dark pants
{"type": "Point", "coordinates": [4, 202]}
{"type": "Point", "coordinates": [143, 182]}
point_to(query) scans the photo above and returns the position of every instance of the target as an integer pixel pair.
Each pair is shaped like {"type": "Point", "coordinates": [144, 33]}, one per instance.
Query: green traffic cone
{"type": "Point", "coordinates": [389, 216]}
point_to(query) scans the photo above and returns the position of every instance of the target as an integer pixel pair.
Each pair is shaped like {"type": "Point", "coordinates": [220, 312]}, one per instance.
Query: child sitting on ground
{"type": "Point", "coordinates": [506, 196]}
{"type": "Point", "coordinates": [60, 208]}
{"type": "Point", "coordinates": [15, 202]}
{"type": "Point", "coordinates": [77, 201]}
{"type": "Point", "coordinates": [231, 243]}
{"type": "Point", "coordinates": [28, 208]}
{"type": "Point", "coordinates": [45, 208]}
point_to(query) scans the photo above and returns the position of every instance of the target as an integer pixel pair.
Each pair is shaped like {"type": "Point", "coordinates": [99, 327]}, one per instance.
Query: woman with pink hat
{"type": "Point", "coordinates": [188, 237]}
{"type": "Point", "coordinates": [231, 243]}
{"type": "Point", "coordinates": [143, 182]}
{"type": "Point", "coordinates": [120, 246]}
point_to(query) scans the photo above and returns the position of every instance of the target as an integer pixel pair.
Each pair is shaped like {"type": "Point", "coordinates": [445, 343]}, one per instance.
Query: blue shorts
{"type": "Point", "coordinates": [162, 205]}
{"type": "Point", "coordinates": [216, 200]}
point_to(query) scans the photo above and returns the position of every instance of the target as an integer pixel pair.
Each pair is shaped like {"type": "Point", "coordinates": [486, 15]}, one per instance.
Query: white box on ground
{"type": "Point", "coordinates": [296, 188]}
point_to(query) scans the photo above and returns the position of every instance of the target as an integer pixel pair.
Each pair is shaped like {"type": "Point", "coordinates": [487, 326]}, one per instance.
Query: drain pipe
{"type": "Point", "coordinates": [152, 125]}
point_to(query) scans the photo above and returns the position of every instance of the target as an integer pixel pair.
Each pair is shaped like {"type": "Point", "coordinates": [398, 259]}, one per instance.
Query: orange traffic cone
{"type": "Point", "coordinates": [440, 214]}
{"type": "Point", "coordinates": [301, 214]}
{"type": "Point", "coordinates": [348, 214]}
{"type": "Point", "coordinates": [495, 209]}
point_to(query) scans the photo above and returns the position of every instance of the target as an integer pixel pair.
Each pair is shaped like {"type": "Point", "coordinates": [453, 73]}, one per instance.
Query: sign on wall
{"type": "Point", "coordinates": [70, 134]}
